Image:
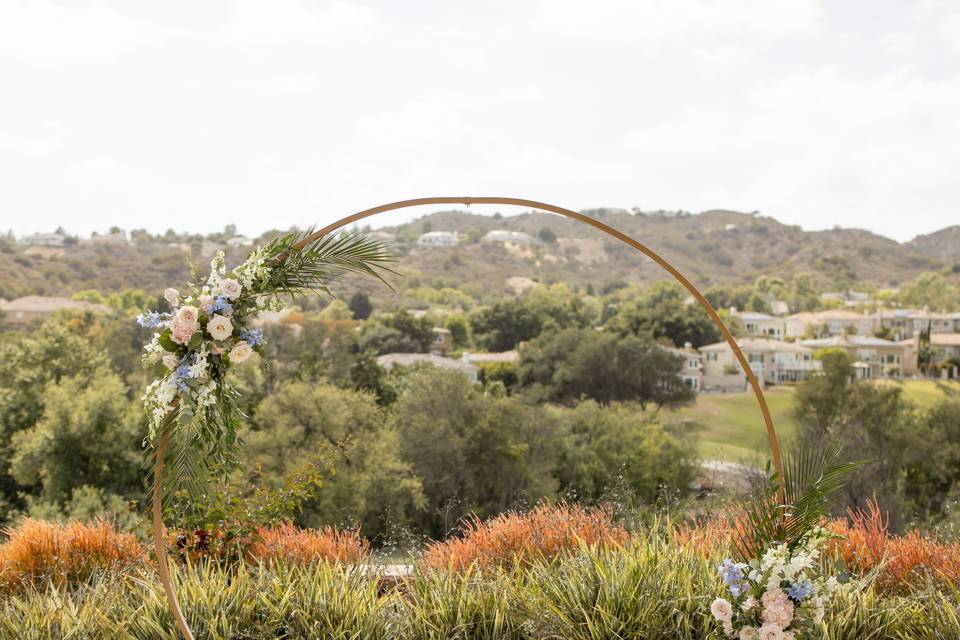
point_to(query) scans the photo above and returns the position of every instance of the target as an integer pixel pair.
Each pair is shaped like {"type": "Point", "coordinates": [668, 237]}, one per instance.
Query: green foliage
{"type": "Point", "coordinates": [811, 478]}
{"type": "Point", "coordinates": [372, 485]}
{"type": "Point", "coordinates": [576, 363]}
{"type": "Point", "coordinates": [505, 325]}
{"type": "Point", "coordinates": [360, 306]}
{"type": "Point", "coordinates": [471, 452]}
{"type": "Point", "coordinates": [87, 436]}
{"type": "Point", "coordinates": [620, 451]}
{"type": "Point", "coordinates": [662, 312]}
{"type": "Point", "coordinates": [398, 332]}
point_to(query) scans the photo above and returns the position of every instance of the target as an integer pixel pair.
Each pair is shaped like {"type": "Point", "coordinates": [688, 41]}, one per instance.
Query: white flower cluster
{"type": "Point", "coordinates": [203, 334]}
{"type": "Point", "coordinates": [778, 597]}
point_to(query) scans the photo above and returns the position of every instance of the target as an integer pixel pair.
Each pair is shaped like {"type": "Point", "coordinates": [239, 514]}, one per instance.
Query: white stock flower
{"type": "Point", "coordinates": [172, 296]}
{"type": "Point", "coordinates": [220, 327]}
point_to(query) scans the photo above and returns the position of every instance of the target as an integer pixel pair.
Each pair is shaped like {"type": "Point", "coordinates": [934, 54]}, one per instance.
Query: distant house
{"type": "Point", "coordinates": [490, 358]}
{"type": "Point", "coordinates": [44, 240]}
{"type": "Point", "coordinates": [119, 238]}
{"type": "Point", "coordinates": [772, 361]}
{"type": "Point", "coordinates": [692, 371]}
{"type": "Point", "coordinates": [442, 341]}
{"type": "Point", "coordinates": [439, 239]}
{"type": "Point", "coordinates": [835, 322]}
{"type": "Point", "coordinates": [902, 324]}
{"type": "Point", "coordinates": [504, 235]}
{"type": "Point", "coordinates": [29, 308]}
{"type": "Point", "coordinates": [848, 298]}
{"type": "Point", "coordinates": [761, 324]}
{"type": "Point", "coordinates": [945, 353]}
{"type": "Point", "coordinates": [391, 360]}
{"type": "Point", "coordinates": [240, 241]}
{"type": "Point", "coordinates": [872, 357]}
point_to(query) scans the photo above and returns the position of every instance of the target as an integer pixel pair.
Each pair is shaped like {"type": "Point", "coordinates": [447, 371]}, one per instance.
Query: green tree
{"type": "Point", "coordinates": [89, 434]}
{"type": "Point", "coordinates": [360, 306]}
{"type": "Point", "coordinates": [569, 365]}
{"type": "Point", "coordinates": [459, 330]}
{"type": "Point", "coordinates": [372, 485]}
{"type": "Point", "coordinates": [616, 448]}
{"type": "Point", "coordinates": [547, 235]}
{"type": "Point", "coordinates": [662, 311]}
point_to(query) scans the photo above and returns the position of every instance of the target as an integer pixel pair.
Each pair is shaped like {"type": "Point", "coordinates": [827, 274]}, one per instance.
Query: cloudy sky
{"type": "Point", "coordinates": [269, 114]}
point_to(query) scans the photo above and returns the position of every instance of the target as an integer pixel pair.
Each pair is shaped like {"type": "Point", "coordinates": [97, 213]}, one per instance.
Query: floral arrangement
{"type": "Point", "coordinates": [778, 597]}
{"type": "Point", "coordinates": [209, 329]}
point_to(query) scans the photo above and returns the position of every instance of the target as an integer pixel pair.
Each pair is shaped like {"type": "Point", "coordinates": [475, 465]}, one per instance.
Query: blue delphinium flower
{"type": "Point", "coordinates": [180, 375]}
{"type": "Point", "coordinates": [150, 319]}
{"type": "Point", "coordinates": [800, 591]}
{"type": "Point", "coordinates": [220, 305]}
{"type": "Point", "coordinates": [253, 336]}
{"type": "Point", "coordinates": [732, 574]}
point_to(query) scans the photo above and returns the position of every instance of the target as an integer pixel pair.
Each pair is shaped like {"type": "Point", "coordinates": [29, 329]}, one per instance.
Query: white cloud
{"type": "Point", "coordinates": [653, 24]}
{"type": "Point", "coordinates": [290, 23]}
{"type": "Point", "coordinates": [56, 34]}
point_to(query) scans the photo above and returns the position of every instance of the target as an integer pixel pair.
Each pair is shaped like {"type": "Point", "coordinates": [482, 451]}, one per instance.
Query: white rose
{"type": "Point", "coordinates": [241, 352]}
{"type": "Point", "coordinates": [770, 632]}
{"type": "Point", "coordinates": [230, 288]}
{"type": "Point", "coordinates": [170, 361]}
{"type": "Point", "coordinates": [172, 296]}
{"type": "Point", "coordinates": [220, 327]}
{"type": "Point", "coordinates": [749, 633]}
{"type": "Point", "coordinates": [721, 609]}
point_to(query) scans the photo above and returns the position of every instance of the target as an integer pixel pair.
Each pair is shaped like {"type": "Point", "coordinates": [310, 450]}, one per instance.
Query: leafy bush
{"type": "Point", "coordinates": [904, 563]}
{"type": "Point", "coordinates": [290, 544]}
{"type": "Point", "coordinates": [521, 538]}
{"type": "Point", "coordinates": [39, 551]}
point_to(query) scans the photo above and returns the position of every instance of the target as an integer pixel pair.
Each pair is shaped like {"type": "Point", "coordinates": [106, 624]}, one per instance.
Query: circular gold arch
{"type": "Point", "coordinates": [158, 529]}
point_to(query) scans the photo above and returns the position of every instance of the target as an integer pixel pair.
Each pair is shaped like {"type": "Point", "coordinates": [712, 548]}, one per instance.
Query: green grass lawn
{"type": "Point", "coordinates": [731, 428]}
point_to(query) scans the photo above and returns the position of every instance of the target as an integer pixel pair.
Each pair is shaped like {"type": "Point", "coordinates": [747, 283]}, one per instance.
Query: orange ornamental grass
{"type": "Point", "coordinates": [516, 538]}
{"type": "Point", "coordinates": [288, 543]}
{"type": "Point", "coordinates": [903, 562]}
{"type": "Point", "coordinates": [38, 550]}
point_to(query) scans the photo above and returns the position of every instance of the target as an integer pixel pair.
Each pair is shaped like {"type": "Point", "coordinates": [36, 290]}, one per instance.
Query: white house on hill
{"type": "Point", "coordinates": [439, 239]}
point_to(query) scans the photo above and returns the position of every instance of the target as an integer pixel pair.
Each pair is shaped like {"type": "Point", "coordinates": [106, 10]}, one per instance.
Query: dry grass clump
{"type": "Point", "coordinates": [514, 538]}
{"type": "Point", "coordinates": [902, 562]}
{"type": "Point", "coordinates": [39, 551]}
{"type": "Point", "coordinates": [290, 544]}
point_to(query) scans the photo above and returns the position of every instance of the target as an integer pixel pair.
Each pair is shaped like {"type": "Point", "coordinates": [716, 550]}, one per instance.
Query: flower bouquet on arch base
{"type": "Point", "coordinates": [208, 330]}
{"type": "Point", "coordinates": [778, 589]}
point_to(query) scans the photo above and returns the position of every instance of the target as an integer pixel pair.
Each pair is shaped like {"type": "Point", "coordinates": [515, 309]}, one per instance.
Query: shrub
{"type": "Point", "coordinates": [518, 538]}
{"type": "Point", "coordinates": [290, 544]}
{"type": "Point", "coordinates": [39, 551]}
{"type": "Point", "coordinates": [903, 563]}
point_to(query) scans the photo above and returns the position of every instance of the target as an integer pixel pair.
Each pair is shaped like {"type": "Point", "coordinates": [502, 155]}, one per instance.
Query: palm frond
{"type": "Point", "coordinates": [812, 477]}
{"type": "Point", "coordinates": [312, 268]}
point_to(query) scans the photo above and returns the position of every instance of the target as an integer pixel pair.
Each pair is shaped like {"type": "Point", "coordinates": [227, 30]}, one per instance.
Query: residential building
{"type": "Point", "coordinates": [503, 235]}
{"type": "Point", "coordinates": [442, 341]}
{"type": "Point", "coordinates": [692, 371]}
{"type": "Point", "coordinates": [391, 360]}
{"type": "Point", "coordinates": [508, 357]}
{"type": "Point", "coordinates": [872, 357]}
{"type": "Point", "coordinates": [902, 324]}
{"type": "Point", "coordinates": [761, 324]}
{"type": "Point", "coordinates": [44, 240]}
{"type": "Point", "coordinates": [240, 241]}
{"type": "Point", "coordinates": [772, 361]}
{"type": "Point", "coordinates": [439, 239]}
{"type": "Point", "coordinates": [28, 308]}
{"type": "Point", "coordinates": [945, 353]}
{"type": "Point", "coordinates": [118, 238]}
{"type": "Point", "coordinates": [833, 322]}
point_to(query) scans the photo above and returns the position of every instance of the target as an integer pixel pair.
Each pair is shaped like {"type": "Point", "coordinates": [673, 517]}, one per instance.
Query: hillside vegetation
{"type": "Point", "coordinates": [714, 247]}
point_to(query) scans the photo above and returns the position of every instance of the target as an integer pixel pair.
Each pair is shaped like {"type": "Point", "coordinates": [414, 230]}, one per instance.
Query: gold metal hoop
{"type": "Point", "coordinates": [158, 529]}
